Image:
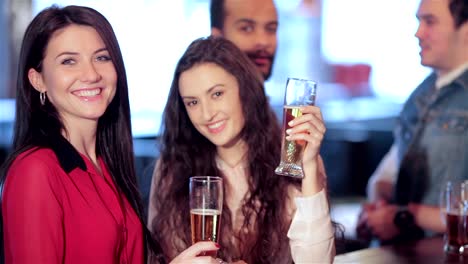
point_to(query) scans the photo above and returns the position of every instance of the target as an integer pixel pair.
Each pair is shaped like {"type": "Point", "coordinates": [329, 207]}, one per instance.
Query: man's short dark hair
{"type": "Point", "coordinates": [217, 13]}
{"type": "Point", "coordinates": [459, 11]}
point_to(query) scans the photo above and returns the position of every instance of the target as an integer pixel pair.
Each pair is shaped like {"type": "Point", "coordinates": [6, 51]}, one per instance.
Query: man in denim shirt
{"type": "Point", "coordinates": [431, 137]}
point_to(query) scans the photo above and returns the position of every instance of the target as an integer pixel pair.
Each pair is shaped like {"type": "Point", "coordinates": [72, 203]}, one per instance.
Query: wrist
{"type": "Point", "coordinates": [404, 218]}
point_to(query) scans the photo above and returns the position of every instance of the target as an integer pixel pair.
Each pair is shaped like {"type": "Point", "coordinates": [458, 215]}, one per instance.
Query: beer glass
{"type": "Point", "coordinates": [299, 92]}
{"type": "Point", "coordinates": [206, 203]}
{"type": "Point", "coordinates": [454, 206]}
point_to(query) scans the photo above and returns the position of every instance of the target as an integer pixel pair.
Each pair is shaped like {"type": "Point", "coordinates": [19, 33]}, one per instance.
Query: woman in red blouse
{"type": "Point", "coordinates": [69, 188]}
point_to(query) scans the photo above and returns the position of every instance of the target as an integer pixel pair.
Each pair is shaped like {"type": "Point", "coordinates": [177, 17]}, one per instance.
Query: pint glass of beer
{"type": "Point", "coordinates": [299, 92]}
{"type": "Point", "coordinates": [454, 204]}
{"type": "Point", "coordinates": [206, 204]}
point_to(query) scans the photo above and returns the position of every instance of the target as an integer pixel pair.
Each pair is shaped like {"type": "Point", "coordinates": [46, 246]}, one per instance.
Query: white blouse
{"type": "Point", "coordinates": [311, 234]}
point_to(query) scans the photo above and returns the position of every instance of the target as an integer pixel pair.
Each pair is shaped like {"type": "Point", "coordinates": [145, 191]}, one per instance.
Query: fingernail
{"type": "Point", "coordinates": [217, 245]}
{"type": "Point", "coordinates": [291, 123]}
{"type": "Point", "coordinates": [288, 137]}
{"type": "Point", "coordinates": [288, 131]}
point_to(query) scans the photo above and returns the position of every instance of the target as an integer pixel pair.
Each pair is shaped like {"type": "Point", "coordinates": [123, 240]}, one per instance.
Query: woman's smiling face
{"type": "Point", "coordinates": [77, 73]}
{"type": "Point", "coordinates": [211, 98]}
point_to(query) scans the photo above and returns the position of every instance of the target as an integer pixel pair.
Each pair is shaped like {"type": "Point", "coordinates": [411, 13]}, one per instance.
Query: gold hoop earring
{"type": "Point", "coordinates": [42, 97]}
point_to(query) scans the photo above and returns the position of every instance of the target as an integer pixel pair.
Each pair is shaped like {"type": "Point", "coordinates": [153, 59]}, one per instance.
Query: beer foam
{"type": "Point", "coordinates": [205, 211]}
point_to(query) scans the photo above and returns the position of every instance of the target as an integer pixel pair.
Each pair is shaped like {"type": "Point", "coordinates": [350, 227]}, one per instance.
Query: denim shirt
{"type": "Point", "coordinates": [432, 140]}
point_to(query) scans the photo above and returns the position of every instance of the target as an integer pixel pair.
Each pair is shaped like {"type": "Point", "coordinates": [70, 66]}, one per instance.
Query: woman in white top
{"type": "Point", "coordinates": [217, 121]}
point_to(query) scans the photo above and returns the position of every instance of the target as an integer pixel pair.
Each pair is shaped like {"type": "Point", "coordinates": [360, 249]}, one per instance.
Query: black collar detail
{"type": "Point", "coordinates": [67, 155]}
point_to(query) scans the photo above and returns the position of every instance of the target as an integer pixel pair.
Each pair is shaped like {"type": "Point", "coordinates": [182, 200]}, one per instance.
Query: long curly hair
{"type": "Point", "coordinates": [185, 152]}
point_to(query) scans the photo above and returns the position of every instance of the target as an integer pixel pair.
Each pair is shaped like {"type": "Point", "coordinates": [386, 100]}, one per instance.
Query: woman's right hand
{"type": "Point", "coordinates": [191, 254]}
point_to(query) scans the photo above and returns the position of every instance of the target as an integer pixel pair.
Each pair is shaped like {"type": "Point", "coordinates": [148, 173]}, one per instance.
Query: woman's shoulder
{"type": "Point", "coordinates": [34, 163]}
{"type": "Point", "coordinates": [33, 178]}
{"type": "Point", "coordinates": [34, 156]}
{"type": "Point", "coordinates": [292, 191]}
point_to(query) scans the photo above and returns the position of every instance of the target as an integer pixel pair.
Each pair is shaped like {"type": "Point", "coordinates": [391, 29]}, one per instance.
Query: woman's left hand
{"type": "Point", "coordinates": [308, 128]}
{"type": "Point", "coordinates": [194, 252]}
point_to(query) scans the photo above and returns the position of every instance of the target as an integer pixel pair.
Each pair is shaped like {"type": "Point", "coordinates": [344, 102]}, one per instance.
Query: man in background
{"type": "Point", "coordinates": [251, 25]}
{"type": "Point", "coordinates": [431, 136]}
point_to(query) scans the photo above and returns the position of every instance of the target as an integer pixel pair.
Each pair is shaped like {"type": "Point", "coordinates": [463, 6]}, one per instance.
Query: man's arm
{"type": "Point", "coordinates": [382, 181]}
{"type": "Point", "coordinates": [428, 217]}
{"type": "Point", "coordinates": [379, 191]}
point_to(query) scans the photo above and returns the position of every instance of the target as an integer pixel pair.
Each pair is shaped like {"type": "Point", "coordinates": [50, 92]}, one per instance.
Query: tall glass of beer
{"type": "Point", "coordinates": [206, 204]}
{"type": "Point", "coordinates": [299, 92]}
{"type": "Point", "coordinates": [454, 206]}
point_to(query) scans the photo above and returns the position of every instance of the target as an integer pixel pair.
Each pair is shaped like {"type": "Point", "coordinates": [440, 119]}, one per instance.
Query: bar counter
{"type": "Point", "coordinates": [429, 250]}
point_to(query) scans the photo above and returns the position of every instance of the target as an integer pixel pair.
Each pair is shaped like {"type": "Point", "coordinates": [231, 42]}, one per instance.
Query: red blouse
{"type": "Point", "coordinates": [60, 210]}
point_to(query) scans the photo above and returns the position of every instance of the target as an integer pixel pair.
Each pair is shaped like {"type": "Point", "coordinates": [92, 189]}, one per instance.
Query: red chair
{"type": "Point", "coordinates": [355, 77]}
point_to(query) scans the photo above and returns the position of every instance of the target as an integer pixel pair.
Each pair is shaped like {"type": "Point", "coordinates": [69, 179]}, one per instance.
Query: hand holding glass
{"type": "Point", "coordinates": [299, 92]}
{"type": "Point", "coordinates": [206, 204]}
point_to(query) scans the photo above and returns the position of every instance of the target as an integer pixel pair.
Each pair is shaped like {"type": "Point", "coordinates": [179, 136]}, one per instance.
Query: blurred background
{"type": "Point", "coordinates": [362, 53]}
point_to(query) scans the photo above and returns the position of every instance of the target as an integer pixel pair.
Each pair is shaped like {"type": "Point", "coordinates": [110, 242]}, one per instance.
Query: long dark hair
{"type": "Point", "coordinates": [40, 126]}
{"type": "Point", "coordinates": [185, 152]}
